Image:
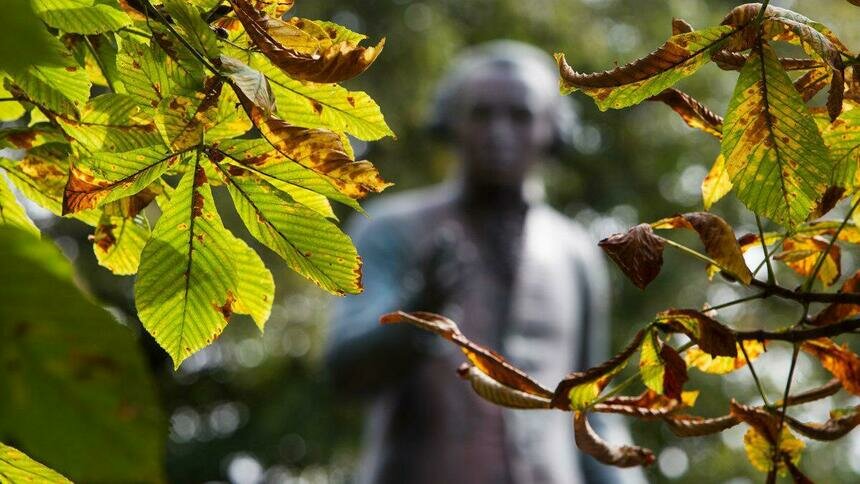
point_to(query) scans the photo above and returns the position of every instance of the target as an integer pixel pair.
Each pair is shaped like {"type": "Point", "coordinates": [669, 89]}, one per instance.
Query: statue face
{"type": "Point", "coordinates": [502, 126]}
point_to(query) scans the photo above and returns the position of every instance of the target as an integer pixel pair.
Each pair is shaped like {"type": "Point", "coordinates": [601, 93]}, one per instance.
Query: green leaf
{"type": "Point", "coordinates": [17, 467]}
{"type": "Point", "coordinates": [76, 390]}
{"type": "Point", "coordinates": [842, 137]}
{"type": "Point", "coordinates": [774, 153]}
{"type": "Point", "coordinates": [311, 245]}
{"type": "Point", "coordinates": [11, 212]}
{"type": "Point", "coordinates": [189, 119]}
{"type": "Point", "coordinates": [112, 123]}
{"type": "Point", "coordinates": [190, 23]}
{"type": "Point", "coordinates": [150, 75]}
{"type": "Point", "coordinates": [630, 84]}
{"type": "Point", "coordinates": [23, 37]}
{"type": "Point", "coordinates": [256, 287]}
{"type": "Point", "coordinates": [10, 110]}
{"type": "Point", "coordinates": [57, 81]}
{"type": "Point", "coordinates": [81, 16]}
{"type": "Point", "coordinates": [31, 137]}
{"type": "Point", "coordinates": [187, 287]}
{"type": "Point", "coordinates": [119, 241]}
{"type": "Point", "coordinates": [105, 177]}
{"type": "Point", "coordinates": [324, 105]}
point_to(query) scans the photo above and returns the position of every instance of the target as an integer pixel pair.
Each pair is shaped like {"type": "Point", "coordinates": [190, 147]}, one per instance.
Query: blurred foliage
{"type": "Point", "coordinates": [256, 405]}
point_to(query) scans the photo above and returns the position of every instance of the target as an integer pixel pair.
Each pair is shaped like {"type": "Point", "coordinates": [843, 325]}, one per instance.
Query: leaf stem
{"type": "Point", "coordinates": [781, 424]}
{"type": "Point", "coordinates": [821, 258]}
{"type": "Point", "coordinates": [760, 295]}
{"type": "Point", "coordinates": [617, 389]}
{"type": "Point", "coordinates": [755, 376]}
{"type": "Point", "coordinates": [770, 276]}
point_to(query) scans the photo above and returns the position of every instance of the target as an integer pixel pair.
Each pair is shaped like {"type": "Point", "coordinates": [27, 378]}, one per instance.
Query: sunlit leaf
{"type": "Point", "coordinates": [101, 178]}
{"type": "Point", "coordinates": [56, 82]}
{"type": "Point", "coordinates": [118, 242]}
{"type": "Point", "coordinates": [718, 238]}
{"type": "Point", "coordinates": [661, 367]}
{"type": "Point", "coordinates": [681, 55]}
{"type": "Point", "coordinates": [840, 361]}
{"type": "Point", "coordinates": [710, 335]}
{"type": "Point", "coordinates": [620, 456]}
{"type": "Point", "coordinates": [112, 123]}
{"type": "Point", "coordinates": [764, 436]}
{"type": "Point", "coordinates": [325, 105]}
{"type": "Point", "coordinates": [81, 16]}
{"type": "Point", "coordinates": [310, 244]}
{"type": "Point", "coordinates": [150, 75]}
{"type": "Point", "coordinates": [251, 82]}
{"type": "Point", "coordinates": [301, 54]}
{"type": "Point", "coordinates": [11, 212]}
{"type": "Point", "coordinates": [15, 467]}
{"type": "Point", "coordinates": [10, 109]}
{"type": "Point", "coordinates": [696, 357]}
{"type": "Point", "coordinates": [637, 252]}
{"type": "Point", "coordinates": [190, 23]}
{"type": "Point", "coordinates": [716, 183]}
{"type": "Point", "coordinates": [320, 150]}
{"type": "Point", "coordinates": [187, 287]}
{"type": "Point", "coordinates": [774, 153]}
{"type": "Point", "coordinates": [801, 254]}
{"type": "Point", "coordinates": [843, 138]}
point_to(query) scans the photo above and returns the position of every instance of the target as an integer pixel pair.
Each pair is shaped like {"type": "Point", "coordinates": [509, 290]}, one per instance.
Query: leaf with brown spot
{"type": "Point", "coordinates": [619, 456]}
{"type": "Point", "coordinates": [836, 312]}
{"type": "Point", "coordinates": [709, 334]}
{"type": "Point", "coordinates": [718, 238]}
{"type": "Point", "coordinates": [692, 112]}
{"type": "Point", "coordinates": [801, 254]}
{"type": "Point", "coordinates": [487, 361]}
{"type": "Point", "coordinates": [637, 252]}
{"type": "Point", "coordinates": [840, 361]}
{"type": "Point", "coordinates": [320, 150]}
{"type": "Point", "coordinates": [680, 56]}
{"type": "Point", "coordinates": [300, 54]}
{"type": "Point", "coordinates": [812, 82]}
{"type": "Point", "coordinates": [118, 242]}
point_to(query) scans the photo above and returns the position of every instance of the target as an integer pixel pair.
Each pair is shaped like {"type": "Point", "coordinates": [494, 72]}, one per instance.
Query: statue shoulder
{"type": "Point", "coordinates": [403, 210]}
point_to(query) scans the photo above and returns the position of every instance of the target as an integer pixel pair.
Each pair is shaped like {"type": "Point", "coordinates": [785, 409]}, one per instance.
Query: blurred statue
{"type": "Point", "coordinates": [485, 251]}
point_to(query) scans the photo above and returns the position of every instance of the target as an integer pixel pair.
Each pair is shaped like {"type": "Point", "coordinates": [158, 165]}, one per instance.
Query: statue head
{"type": "Point", "coordinates": [500, 106]}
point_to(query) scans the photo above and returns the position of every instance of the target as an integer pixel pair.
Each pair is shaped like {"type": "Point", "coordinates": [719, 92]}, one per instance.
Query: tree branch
{"type": "Point", "coordinates": [800, 335]}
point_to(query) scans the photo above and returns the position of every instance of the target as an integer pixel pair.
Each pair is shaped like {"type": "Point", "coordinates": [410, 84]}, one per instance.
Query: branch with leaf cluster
{"type": "Point", "coordinates": [165, 101]}
{"type": "Point", "coordinates": [787, 162]}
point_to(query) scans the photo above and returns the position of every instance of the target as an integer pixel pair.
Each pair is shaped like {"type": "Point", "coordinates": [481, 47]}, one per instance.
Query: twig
{"type": "Point", "coordinates": [799, 335]}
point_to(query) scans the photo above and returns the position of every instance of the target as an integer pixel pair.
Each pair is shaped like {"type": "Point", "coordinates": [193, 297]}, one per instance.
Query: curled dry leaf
{"type": "Point", "coordinates": [839, 424]}
{"type": "Point", "coordinates": [696, 357]}
{"type": "Point", "coordinates": [734, 61]}
{"type": "Point", "coordinates": [812, 82]}
{"type": "Point", "coordinates": [648, 405]}
{"type": "Point", "coordinates": [637, 252]}
{"type": "Point", "coordinates": [302, 54]}
{"type": "Point", "coordinates": [693, 426]}
{"type": "Point", "coordinates": [718, 238]}
{"type": "Point", "coordinates": [840, 361]}
{"type": "Point", "coordinates": [681, 55]}
{"type": "Point", "coordinates": [837, 312]}
{"type": "Point", "coordinates": [830, 388]}
{"type": "Point", "coordinates": [680, 26]}
{"type": "Point", "coordinates": [620, 456]}
{"type": "Point", "coordinates": [500, 394]}
{"type": "Point", "coordinates": [801, 254]}
{"type": "Point", "coordinates": [694, 113]}
{"type": "Point", "coordinates": [580, 388]}
{"type": "Point", "coordinates": [487, 361]}
{"type": "Point", "coordinates": [709, 334]}
{"type": "Point", "coordinates": [661, 367]}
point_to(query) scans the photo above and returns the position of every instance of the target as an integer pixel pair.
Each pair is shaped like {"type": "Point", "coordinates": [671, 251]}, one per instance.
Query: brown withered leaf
{"type": "Point", "coordinates": [839, 424]}
{"type": "Point", "coordinates": [661, 367]}
{"type": "Point", "coordinates": [598, 375]}
{"type": "Point", "coordinates": [840, 361]}
{"type": "Point", "coordinates": [694, 426]}
{"type": "Point", "coordinates": [836, 312]}
{"type": "Point", "coordinates": [486, 360]}
{"type": "Point", "coordinates": [812, 82]}
{"type": "Point", "coordinates": [638, 253]}
{"type": "Point", "coordinates": [711, 336]}
{"type": "Point", "coordinates": [647, 405]}
{"type": "Point", "coordinates": [251, 82]}
{"type": "Point", "coordinates": [718, 238]}
{"type": "Point", "coordinates": [757, 418]}
{"type": "Point", "coordinates": [320, 150]}
{"type": "Point", "coordinates": [619, 456]}
{"type": "Point", "coordinates": [829, 200]}
{"type": "Point", "coordinates": [495, 392]}
{"type": "Point", "coordinates": [801, 254]}
{"type": "Point", "coordinates": [764, 435]}
{"type": "Point", "coordinates": [692, 112]}
{"type": "Point", "coordinates": [329, 62]}
{"type": "Point", "coordinates": [733, 61]}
